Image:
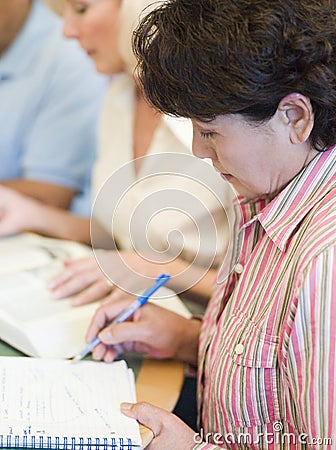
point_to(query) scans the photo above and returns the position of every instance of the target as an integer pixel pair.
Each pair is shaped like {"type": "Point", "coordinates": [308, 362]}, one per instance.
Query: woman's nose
{"type": "Point", "coordinates": [70, 29]}
{"type": "Point", "coordinates": [201, 149]}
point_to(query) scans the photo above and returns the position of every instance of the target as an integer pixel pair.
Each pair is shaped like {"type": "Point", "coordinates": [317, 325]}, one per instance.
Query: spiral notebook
{"type": "Point", "coordinates": [59, 404]}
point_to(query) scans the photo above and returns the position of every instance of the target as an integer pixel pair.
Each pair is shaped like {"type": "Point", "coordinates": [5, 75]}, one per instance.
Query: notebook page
{"type": "Point", "coordinates": [58, 399]}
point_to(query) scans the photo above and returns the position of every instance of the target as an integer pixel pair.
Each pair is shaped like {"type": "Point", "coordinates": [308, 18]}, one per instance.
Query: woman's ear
{"type": "Point", "coordinates": [297, 113]}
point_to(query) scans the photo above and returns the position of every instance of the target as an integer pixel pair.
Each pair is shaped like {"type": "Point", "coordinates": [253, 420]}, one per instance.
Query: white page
{"type": "Point", "coordinates": [30, 319]}
{"type": "Point", "coordinates": [35, 323]}
{"type": "Point", "coordinates": [25, 296]}
{"type": "Point", "coordinates": [52, 398]}
{"type": "Point", "coordinates": [28, 250]}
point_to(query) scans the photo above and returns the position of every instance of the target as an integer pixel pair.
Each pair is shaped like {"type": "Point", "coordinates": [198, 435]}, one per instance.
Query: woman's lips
{"type": "Point", "coordinates": [226, 176]}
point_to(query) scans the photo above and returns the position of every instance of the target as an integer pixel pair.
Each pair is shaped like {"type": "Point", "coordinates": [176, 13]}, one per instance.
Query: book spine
{"type": "Point", "coordinates": [65, 443]}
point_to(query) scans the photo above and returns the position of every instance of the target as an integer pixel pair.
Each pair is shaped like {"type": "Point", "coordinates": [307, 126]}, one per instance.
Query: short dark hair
{"type": "Point", "coordinates": [205, 58]}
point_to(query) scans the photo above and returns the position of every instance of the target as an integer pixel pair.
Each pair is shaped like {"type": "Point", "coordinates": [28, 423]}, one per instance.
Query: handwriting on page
{"type": "Point", "coordinates": [37, 402]}
{"type": "Point", "coordinates": [58, 397]}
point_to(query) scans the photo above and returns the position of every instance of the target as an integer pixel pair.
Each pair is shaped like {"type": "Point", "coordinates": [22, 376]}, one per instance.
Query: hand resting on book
{"type": "Point", "coordinates": [86, 280]}
{"type": "Point", "coordinates": [82, 279]}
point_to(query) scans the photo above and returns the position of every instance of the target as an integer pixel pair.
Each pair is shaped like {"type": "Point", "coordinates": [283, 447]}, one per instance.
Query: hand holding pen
{"type": "Point", "coordinates": [140, 301]}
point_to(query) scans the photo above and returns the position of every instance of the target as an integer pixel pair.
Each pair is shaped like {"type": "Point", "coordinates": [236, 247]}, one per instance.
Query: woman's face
{"type": "Point", "coordinates": [95, 24]}
{"type": "Point", "coordinates": [258, 160]}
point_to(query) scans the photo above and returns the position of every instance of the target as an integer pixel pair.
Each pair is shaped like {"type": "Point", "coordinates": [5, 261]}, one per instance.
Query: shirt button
{"type": "Point", "coordinates": [238, 268]}
{"type": "Point", "coordinates": [239, 349]}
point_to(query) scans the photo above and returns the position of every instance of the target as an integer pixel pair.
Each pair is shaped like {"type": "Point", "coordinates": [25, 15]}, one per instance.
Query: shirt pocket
{"type": "Point", "coordinates": [252, 373]}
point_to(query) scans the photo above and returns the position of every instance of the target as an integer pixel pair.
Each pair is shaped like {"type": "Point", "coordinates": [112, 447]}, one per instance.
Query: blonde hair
{"type": "Point", "coordinates": [130, 16]}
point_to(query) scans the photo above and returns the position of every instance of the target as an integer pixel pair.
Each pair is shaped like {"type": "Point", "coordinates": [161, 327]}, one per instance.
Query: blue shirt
{"type": "Point", "coordinates": [50, 98]}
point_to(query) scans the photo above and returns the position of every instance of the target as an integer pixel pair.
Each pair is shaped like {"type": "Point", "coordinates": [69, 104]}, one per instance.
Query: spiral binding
{"type": "Point", "coordinates": [65, 443]}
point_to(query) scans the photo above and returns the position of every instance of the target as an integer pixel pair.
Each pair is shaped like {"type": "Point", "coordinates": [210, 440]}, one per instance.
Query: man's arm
{"type": "Point", "coordinates": [59, 147]}
{"type": "Point", "coordinates": [47, 193]}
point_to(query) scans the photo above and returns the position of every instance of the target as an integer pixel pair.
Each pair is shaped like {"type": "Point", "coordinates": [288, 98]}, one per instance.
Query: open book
{"type": "Point", "coordinates": [63, 405]}
{"type": "Point", "coordinates": [30, 320]}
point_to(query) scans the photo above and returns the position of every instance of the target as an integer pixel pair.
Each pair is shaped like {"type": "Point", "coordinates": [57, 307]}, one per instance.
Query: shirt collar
{"type": "Point", "coordinates": [248, 211]}
{"type": "Point", "coordinates": [18, 57]}
{"type": "Point", "coordinates": [285, 212]}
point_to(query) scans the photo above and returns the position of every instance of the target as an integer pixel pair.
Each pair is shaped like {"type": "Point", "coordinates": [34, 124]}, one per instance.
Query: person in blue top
{"type": "Point", "coordinates": [50, 98]}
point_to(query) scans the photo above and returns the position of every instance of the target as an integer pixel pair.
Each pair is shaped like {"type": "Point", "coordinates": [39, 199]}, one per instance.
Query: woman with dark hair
{"type": "Point", "coordinates": [258, 80]}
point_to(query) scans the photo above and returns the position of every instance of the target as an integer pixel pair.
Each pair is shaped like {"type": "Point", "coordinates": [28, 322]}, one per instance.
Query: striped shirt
{"type": "Point", "coordinates": [267, 357]}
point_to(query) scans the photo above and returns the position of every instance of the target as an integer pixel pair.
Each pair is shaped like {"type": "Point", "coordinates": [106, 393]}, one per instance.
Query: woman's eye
{"type": "Point", "coordinates": [80, 8]}
{"type": "Point", "coordinates": [207, 134]}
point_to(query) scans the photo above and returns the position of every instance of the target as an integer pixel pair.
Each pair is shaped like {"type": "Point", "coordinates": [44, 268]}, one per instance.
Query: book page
{"type": "Point", "coordinates": [35, 323]}
{"type": "Point", "coordinates": [39, 325]}
{"type": "Point", "coordinates": [30, 319]}
{"type": "Point", "coordinates": [28, 250]}
{"type": "Point", "coordinates": [24, 295]}
{"type": "Point", "coordinates": [45, 399]}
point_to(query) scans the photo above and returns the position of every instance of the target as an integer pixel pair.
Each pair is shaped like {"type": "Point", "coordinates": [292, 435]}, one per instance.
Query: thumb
{"type": "Point", "coordinates": [145, 413]}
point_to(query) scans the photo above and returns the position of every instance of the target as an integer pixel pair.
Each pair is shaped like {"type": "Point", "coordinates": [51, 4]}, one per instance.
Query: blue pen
{"type": "Point", "coordinates": [140, 301]}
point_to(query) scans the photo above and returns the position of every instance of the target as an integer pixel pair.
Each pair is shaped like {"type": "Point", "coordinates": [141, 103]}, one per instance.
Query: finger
{"type": "Point", "coordinates": [98, 352]}
{"type": "Point", "coordinates": [62, 277]}
{"type": "Point", "coordinates": [104, 315]}
{"type": "Point", "coordinates": [96, 291]}
{"type": "Point", "coordinates": [72, 267]}
{"type": "Point", "coordinates": [7, 229]}
{"type": "Point", "coordinates": [145, 413]}
{"type": "Point", "coordinates": [79, 264]}
{"type": "Point", "coordinates": [164, 425]}
{"type": "Point", "coordinates": [76, 284]}
{"type": "Point", "coordinates": [101, 352]}
{"type": "Point", "coordinates": [111, 354]}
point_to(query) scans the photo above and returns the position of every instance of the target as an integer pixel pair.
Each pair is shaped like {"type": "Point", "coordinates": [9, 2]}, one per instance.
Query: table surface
{"type": "Point", "coordinates": [157, 381]}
